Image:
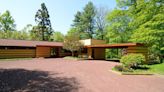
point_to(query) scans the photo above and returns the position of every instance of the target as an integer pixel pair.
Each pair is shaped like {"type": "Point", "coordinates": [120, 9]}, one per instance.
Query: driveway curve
{"type": "Point", "coordinates": [90, 75]}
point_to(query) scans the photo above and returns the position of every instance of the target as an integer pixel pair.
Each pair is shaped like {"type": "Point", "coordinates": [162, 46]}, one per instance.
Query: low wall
{"type": "Point", "coordinates": [17, 53]}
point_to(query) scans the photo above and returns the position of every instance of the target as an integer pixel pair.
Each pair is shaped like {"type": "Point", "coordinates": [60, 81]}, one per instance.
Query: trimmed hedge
{"type": "Point", "coordinates": [132, 60]}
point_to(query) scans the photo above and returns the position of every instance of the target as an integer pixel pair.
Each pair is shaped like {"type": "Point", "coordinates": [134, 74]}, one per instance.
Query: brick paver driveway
{"type": "Point", "coordinates": [60, 75]}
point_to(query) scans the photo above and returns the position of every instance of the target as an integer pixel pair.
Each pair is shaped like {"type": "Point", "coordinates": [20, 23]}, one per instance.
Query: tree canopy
{"type": "Point", "coordinates": [84, 21]}
{"type": "Point", "coordinates": [72, 43]}
{"type": "Point", "coordinates": [7, 22]}
{"type": "Point", "coordinates": [140, 21]}
{"type": "Point", "coordinates": [58, 36]}
{"type": "Point", "coordinates": [42, 19]}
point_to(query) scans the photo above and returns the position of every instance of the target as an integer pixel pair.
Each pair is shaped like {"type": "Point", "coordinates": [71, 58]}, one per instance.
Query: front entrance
{"type": "Point", "coordinates": [96, 53]}
{"type": "Point", "coordinates": [54, 52]}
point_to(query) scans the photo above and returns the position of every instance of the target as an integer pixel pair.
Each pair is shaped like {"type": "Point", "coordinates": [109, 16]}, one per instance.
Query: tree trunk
{"type": "Point", "coordinates": [43, 33]}
{"type": "Point", "coordinates": [72, 53]}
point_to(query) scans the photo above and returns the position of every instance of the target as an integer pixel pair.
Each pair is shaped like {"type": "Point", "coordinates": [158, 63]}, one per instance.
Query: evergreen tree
{"type": "Point", "coordinates": [84, 21]}
{"type": "Point", "coordinates": [44, 24]}
{"type": "Point", "coordinates": [88, 19]}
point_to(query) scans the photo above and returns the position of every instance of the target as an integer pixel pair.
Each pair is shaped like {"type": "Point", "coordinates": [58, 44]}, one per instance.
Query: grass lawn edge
{"type": "Point", "coordinates": [130, 73]}
{"type": "Point", "coordinates": [14, 59]}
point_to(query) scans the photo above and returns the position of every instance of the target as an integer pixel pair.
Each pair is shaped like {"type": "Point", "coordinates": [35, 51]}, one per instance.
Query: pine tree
{"type": "Point", "coordinates": [43, 22]}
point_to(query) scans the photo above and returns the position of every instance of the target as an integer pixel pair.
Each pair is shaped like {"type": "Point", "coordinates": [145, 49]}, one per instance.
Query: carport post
{"type": "Point", "coordinates": [89, 50]}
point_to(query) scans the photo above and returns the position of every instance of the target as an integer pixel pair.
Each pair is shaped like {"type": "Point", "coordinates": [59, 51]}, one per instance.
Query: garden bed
{"type": "Point", "coordinates": [152, 69]}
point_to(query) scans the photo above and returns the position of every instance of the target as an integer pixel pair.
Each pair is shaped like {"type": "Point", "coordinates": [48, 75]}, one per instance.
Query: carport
{"type": "Point", "coordinates": [98, 51]}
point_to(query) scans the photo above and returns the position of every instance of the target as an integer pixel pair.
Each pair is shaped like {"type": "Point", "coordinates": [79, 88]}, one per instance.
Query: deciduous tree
{"type": "Point", "coordinates": [148, 23]}
{"type": "Point", "coordinates": [118, 29]}
{"type": "Point", "coordinates": [71, 43]}
{"type": "Point", "coordinates": [7, 22]}
{"type": "Point", "coordinates": [100, 20]}
{"type": "Point", "coordinates": [58, 36]}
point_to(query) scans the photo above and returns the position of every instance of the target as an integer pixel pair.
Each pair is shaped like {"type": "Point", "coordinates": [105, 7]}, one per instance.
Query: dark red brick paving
{"type": "Point", "coordinates": [93, 75]}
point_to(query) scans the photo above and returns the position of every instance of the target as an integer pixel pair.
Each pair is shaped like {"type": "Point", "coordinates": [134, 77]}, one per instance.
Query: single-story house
{"type": "Point", "coordinates": [93, 49]}
{"type": "Point", "coordinates": [24, 48]}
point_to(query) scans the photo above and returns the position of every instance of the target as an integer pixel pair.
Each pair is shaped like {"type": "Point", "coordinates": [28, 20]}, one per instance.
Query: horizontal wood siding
{"type": "Point", "coordinates": [141, 50]}
{"type": "Point", "coordinates": [137, 50]}
{"type": "Point", "coordinates": [43, 51]}
{"type": "Point", "coordinates": [17, 53]}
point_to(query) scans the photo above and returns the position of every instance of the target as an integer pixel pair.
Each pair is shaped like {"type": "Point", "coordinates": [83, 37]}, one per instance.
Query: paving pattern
{"type": "Point", "coordinates": [89, 75]}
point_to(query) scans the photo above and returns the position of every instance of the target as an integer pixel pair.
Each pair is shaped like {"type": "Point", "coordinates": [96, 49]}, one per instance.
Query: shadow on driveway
{"type": "Point", "coordinates": [20, 80]}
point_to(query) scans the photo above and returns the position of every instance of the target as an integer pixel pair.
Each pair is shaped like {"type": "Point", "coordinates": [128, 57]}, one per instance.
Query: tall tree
{"type": "Point", "coordinates": [101, 23]}
{"type": "Point", "coordinates": [148, 23]}
{"type": "Point", "coordinates": [84, 21]}
{"type": "Point", "coordinates": [7, 22]}
{"type": "Point", "coordinates": [88, 16]}
{"type": "Point", "coordinates": [78, 21]}
{"type": "Point", "coordinates": [44, 24]}
{"type": "Point", "coordinates": [118, 28]}
{"type": "Point", "coordinates": [78, 26]}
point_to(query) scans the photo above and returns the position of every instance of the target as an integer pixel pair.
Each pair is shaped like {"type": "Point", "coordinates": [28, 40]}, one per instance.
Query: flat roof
{"type": "Point", "coordinates": [28, 43]}
{"type": "Point", "coordinates": [117, 45]}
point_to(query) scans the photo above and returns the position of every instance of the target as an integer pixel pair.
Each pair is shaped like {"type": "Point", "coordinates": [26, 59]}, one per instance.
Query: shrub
{"type": "Point", "coordinates": [122, 68]}
{"type": "Point", "coordinates": [153, 60]}
{"type": "Point", "coordinates": [132, 60]}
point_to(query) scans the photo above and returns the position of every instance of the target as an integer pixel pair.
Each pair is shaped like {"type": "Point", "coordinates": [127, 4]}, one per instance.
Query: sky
{"type": "Point", "coordinates": [61, 11]}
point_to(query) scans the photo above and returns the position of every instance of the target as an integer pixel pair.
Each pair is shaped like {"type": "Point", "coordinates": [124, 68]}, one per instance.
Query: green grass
{"type": "Point", "coordinates": [71, 58]}
{"type": "Point", "coordinates": [138, 72]}
{"type": "Point", "coordinates": [75, 58]}
{"type": "Point", "coordinates": [14, 59]}
{"type": "Point", "coordinates": [157, 68]}
{"type": "Point", "coordinates": [135, 72]}
{"type": "Point", "coordinates": [152, 69]}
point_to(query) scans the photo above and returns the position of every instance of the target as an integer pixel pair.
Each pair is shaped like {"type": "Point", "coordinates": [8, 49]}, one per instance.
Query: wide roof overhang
{"type": "Point", "coordinates": [119, 45]}
{"type": "Point", "coordinates": [27, 43]}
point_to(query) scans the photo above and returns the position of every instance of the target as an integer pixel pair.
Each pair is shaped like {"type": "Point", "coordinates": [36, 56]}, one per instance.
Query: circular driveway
{"type": "Point", "coordinates": [87, 75]}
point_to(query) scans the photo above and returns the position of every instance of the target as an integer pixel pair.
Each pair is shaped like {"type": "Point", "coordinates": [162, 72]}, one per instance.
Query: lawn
{"type": "Point", "coordinates": [14, 59]}
{"type": "Point", "coordinates": [71, 58]}
{"type": "Point", "coordinates": [75, 58]}
{"type": "Point", "coordinates": [157, 68]}
{"type": "Point", "coordinates": [151, 69]}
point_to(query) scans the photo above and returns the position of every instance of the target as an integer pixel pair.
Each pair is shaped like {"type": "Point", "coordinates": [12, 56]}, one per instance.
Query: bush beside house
{"type": "Point", "coordinates": [130, 62]}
